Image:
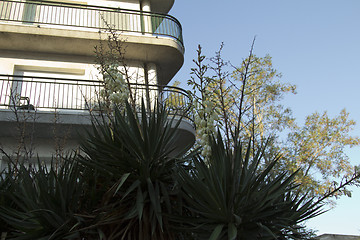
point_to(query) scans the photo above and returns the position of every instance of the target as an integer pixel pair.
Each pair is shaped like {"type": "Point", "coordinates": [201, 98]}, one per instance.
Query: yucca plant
{"type": "Point", "coordinates": [130, 183]}
{"type": "Point", "coordinates": [5, 187]}
{"type": "Point", "coordinates": [43, 202]}
{"type": "Point", "coordinates": [227, 197]}
{"type": "Point", "coordinates": [134, 160]}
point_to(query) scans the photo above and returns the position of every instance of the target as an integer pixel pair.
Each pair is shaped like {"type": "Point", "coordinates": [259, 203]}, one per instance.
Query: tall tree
{"type": "Point", "coordinates": [318, 150]}
{"type": "Point", "coordinates": [245, 102]}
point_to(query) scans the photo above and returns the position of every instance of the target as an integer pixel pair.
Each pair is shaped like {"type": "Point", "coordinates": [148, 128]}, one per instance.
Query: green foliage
{"type": "Point", "coordinates": [175, 102]}
{"type": "Point", "coordinates": [318, 149]}
{"type": "Point", "coordinates": [247, 102]}
{"type": "Point", "coordinates": [136, 158]}
{"type": "Point", "coordinates": [131, 183]}
{"type": "Point", "coordinates": [41, 202]}
{"type": "Point", "coordinates": [262, 92]}
{"type": "Point", "coordinates": [229, 198]}
{"type": "Point", "coordinates": [245, 97]}
{"type": "Point", "coordinates": [119, 188]}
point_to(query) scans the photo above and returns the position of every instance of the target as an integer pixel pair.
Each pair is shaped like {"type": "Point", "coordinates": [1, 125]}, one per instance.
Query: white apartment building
{"type": "Point", "coordinates": [337, 237]}
{"type": "Point", "coordinates": [47, 71]}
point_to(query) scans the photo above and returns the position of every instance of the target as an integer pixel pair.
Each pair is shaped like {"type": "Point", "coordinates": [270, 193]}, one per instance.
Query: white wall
{"type": "Point", "coordinates": [134, 71]}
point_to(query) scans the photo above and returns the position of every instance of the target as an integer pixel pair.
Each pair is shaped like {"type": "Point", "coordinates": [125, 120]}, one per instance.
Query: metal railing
{"type": "Point", "coordinates": [91, 17]}
{"type": "Point", "coordinates": [40, 93]}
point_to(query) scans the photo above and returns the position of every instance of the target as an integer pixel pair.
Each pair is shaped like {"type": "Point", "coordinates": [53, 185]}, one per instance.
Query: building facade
{"type": "Point", "coordinates": [337, 237]}
{"type": "Point", "coordinates": [48, 72]}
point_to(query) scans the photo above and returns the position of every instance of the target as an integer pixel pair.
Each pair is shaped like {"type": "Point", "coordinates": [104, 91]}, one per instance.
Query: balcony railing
{"type": "Point", "coordinates": [91, 17]}
{"type": "Point", "coordinates": [40, 93]}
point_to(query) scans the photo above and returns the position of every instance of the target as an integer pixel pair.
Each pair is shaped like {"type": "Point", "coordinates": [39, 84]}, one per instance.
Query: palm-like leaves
{"type": "Point", "coordinates": [228, 198]}
{"type": "Point", "coordinates": [130, 183]}
{"type": "Point", "coordinates": [134, 155]}
{"type": "Point", "coordinates": [42, 202]}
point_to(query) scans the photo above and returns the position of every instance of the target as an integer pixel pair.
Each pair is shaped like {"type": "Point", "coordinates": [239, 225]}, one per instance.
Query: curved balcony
{"type": "Point", "coordinates": [69, 103]}
{"type": "Point", "coordinates": [53, 30]}
{"type": "Point", "coordinates": [90, 17]}
{"type": "Point", "coordinates": [49, 94]}
{"type": "Point", "coordinates": [162, 6]}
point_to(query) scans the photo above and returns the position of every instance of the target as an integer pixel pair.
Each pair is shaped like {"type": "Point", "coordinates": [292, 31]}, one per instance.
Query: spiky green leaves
{"type": "Point", "coordinates": [135, 154]}
{"type": "Point", "coordinates": [41, 202]}
{"type": "Point", "coordinates": [230, 198]}
{"type": "Point", "coordinates": [129, 183]}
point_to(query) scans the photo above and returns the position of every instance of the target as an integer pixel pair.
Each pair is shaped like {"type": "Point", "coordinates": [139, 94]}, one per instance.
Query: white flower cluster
{"type": "Point", "coordinates": [115, 86]}
{"type": "Point", "coordinates": [205, 120]}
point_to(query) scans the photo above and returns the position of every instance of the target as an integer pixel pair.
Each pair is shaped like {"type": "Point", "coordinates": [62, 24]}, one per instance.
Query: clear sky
{"type": "Point", "coordinates": [315, 44]}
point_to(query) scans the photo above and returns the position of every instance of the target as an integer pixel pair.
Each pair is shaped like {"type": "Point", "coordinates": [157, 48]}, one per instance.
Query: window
{"type": "Point", "coordinates": [49, 89]}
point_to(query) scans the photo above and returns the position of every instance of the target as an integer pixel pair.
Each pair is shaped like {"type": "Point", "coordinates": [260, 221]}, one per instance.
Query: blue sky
{"type": "Point", "coordinates": [315, 44]}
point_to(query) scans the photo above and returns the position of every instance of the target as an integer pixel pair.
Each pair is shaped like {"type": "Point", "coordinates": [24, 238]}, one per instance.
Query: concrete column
{"type": "Point", "coordinates": [145, 5]}
{"type": "Point", "coordinates": [152, 74]}
{"type": "Point", "coordinates": [146, 18]}
{"type": "Point", "coordinates": [150, 80]}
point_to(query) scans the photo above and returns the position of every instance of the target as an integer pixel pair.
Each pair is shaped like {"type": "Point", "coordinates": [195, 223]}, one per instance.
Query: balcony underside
{"type": "Point", "coordinates": [52, 27]}
{"type": "Point", "coordinates": [58, 108]}
{"type": "Point", "coordinates": [165, 52]}
{"type": "Point", "coordinates": [162, 6]}
{"type": "Point", "coordinates": [46, 127]}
